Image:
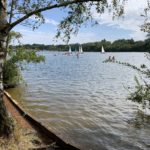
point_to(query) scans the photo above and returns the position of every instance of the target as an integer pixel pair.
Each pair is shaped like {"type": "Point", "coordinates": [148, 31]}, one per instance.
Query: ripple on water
{"type": "Point", "coordinates": [84, 100]}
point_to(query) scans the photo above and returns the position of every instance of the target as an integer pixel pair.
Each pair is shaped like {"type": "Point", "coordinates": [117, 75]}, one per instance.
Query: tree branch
{"type": "Point", "coordinates": [2, 5]}
{"type": "Point", "coordinates": [64, 4]}
{"type": "Point", "coordinates": [11, 11]}
{"type": "Point", "coordinates": [10, 20]}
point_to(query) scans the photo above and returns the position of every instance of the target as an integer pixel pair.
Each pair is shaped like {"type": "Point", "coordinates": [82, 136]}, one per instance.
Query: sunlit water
{"type": "Point", "coordinates": [83, 100]}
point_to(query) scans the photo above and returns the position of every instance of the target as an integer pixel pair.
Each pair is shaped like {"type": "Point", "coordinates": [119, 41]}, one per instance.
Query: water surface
{"type": "Point", "coordinates": [83, 100]}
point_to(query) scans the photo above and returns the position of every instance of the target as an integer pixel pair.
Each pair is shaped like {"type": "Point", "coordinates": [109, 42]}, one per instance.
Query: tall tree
{"type": "Point", "coordinates": [6, 125]}
{"type": "Point", "coordinates": [14, 12]}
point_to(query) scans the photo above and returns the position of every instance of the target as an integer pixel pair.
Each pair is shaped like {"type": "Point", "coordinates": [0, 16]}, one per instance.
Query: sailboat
{"type": "Point", "coordinates": [70, 51]}
{"type": "Point", "coordinates": [80, 49]}
{"type": "Point", "coordinates": [103, 51]}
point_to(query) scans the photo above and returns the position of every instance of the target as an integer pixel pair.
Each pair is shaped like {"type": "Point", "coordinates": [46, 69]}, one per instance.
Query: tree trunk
{"type": "Point", "coordinates": [6, 123]}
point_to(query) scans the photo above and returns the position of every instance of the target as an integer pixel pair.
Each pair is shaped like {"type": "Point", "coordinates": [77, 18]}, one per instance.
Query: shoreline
{"type": "Point", "coordinates": [26, 121]}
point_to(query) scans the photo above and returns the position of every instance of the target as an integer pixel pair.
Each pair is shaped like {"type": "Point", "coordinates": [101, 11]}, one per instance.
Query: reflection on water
{"type": "Point", "coordinates": [140, 121]}
{"type": "Point", "coordinates": [84, 100]}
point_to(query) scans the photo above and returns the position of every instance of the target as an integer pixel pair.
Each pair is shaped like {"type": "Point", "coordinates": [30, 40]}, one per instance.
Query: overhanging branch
{"type": "Point", "coordinates": [64, 4]}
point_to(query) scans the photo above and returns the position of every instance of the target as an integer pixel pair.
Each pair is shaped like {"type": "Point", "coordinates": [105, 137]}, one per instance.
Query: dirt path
{"type": "Point", "coordinates": [18, 117]}
{"type": "Point", "coordinates": [40, 142]}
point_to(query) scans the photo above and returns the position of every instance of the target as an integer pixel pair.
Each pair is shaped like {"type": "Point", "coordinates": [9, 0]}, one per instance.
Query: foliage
{"type": "Point", "coordinates": [11, 74]}
{"type": "Point", "coordinates": [13, 35]}
{"type": "Point", "coordinates": [12, 66]}
{"type": "Point", "coordinates": [121, 45]}
{"type": "Point", "coordinates": [77, 12]}
{"type": "Point", "coordinates": [141, 94]}
{"type": "Point", "coordinates": [20, 54]}
{"type": "Point", "coordinates": [146, 25]}
{"type": "Point", "coordinates": [141, 70]}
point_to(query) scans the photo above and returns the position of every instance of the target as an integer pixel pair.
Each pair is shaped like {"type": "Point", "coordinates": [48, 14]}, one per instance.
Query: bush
{"type": "Point", "coordinates": [12, 66]}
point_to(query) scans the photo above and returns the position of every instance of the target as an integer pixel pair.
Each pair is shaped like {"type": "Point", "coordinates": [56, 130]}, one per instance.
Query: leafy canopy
{"type": "Point", "coordinates": [78, 12]}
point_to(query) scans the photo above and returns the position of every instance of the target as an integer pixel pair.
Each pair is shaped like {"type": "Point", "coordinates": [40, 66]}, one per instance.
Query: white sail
{"type": "Point", "coordinates": [80, 49]}
{"type": "Point", "coordinates": [103, 51]}
{"type": "Point", "coordinates": [70, 49]}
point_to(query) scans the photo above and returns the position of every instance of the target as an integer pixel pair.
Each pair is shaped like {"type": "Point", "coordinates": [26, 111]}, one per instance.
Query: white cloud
{"type": "Point", "coordinates": [131, 21]}
{"type": "Point", "coordinates": [37, 36]}
{"type": "Point", "coordinates": [47, 20]}
{"type": "Point", "coordinates": [51, 21]}
{"type": "Point", "coordinates": [30, 37]}
{"type": "Point", "coordinates": [84, 37]}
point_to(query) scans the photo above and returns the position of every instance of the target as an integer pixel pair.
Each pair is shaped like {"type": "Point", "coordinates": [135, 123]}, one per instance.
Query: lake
{"type": "Point", "coordinates": [84, 101]}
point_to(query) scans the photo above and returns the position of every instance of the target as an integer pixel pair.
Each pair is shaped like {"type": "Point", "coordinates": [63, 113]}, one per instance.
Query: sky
{"type": "Point", "coordinates": [123, 28]}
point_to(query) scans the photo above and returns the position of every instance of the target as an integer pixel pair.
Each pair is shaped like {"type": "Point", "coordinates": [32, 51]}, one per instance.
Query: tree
{"type": "Point", "coordinates": [14, 12]}
{"type": "Point", "coordinates": [13, 63]}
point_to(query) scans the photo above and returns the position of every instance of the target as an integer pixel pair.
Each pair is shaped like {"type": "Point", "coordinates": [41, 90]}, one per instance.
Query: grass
{"type": "Point", "coordinates": [21, 139]}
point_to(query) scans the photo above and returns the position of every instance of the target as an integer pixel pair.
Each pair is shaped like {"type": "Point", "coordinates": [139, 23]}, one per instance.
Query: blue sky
{"type": "Point", "coordinates": [127, 27]}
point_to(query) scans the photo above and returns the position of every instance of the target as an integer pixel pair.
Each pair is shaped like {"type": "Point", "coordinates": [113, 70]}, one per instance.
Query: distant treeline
{"type": "Point", "coordinates": [121, 45]}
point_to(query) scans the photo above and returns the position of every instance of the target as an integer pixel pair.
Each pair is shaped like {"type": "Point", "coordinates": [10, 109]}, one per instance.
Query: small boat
{"type": "Point", "coordinates": [103, 51]}
{"type": "Point", "coordinates": [70, 51]}
{"type": "Point", "coordinates": [80, 49]}
{"type": "Point", "coordinates": [47, 137]}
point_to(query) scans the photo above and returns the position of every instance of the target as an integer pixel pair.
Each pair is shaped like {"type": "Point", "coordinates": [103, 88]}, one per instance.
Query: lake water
{"type": "Point", "coordinates": [83, 100]}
